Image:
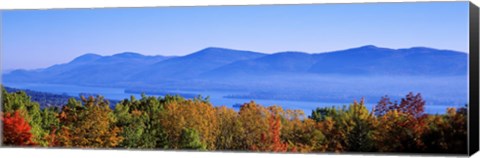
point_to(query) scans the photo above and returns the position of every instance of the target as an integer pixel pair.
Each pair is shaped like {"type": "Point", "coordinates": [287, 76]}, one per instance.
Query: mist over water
{"type": "Point", "coordinates": [293, 80]}
{"type": "Point", "coordinates": [446, 89]}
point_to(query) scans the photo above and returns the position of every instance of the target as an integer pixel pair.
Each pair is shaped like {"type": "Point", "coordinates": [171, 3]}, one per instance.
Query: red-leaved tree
{"type": "Point", "coordinates": [271, 141]}
{"type": "Point", "coordinates": [16, 130]}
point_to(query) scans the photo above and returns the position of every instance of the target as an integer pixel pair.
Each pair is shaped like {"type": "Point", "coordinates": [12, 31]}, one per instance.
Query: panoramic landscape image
{"type": "Point", "coordinates": [319, 78]}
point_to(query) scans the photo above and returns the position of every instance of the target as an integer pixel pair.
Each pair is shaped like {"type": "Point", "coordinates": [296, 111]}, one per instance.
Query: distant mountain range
{"type": "Point", "coordinates": [343, 75]}
{"type": "Point", "coordinates": [192, 65]}
{"type": "Point", "coordinates": [366, 60]}
{"type": "Point", "coordinates": [215, 63]}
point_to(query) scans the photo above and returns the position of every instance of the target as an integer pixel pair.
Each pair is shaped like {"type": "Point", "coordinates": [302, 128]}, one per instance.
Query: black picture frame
{"type": "Point", "coordinates": [473, 131]}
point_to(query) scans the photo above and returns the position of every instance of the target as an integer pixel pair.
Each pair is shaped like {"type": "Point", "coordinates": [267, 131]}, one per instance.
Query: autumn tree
{"type": "Point", "coordinates": [413, 105]}
{"type": "Point", "coordinates": [230, 129]}
{"type": "Point", "coordinates": [30, 111]}
{"type": "Point", "coordinates": [270, 141]}
{"type": "Point", "coordinates": [254, 123]}
{"type": "Point", "coordinates": [346, 129]}
{"type": "Point", "coordinates": [447, 133]}
{"type": "Point", "coordinates": [16, 130]}
{"type": "Point", "coordinates": [303, 133]}
{"type": "Point", "coordinates": [173, 122]}
{"type": "Point", "coordinates": [383, 106]}
{"type": "Point", "coordinates": [197, 114]}
{"type": "Point", "coordinates": [88, 125]}
{"type": "Point", "coordinates": [404, 123]}
{"type": "Point", "coordinates": [335, 136]}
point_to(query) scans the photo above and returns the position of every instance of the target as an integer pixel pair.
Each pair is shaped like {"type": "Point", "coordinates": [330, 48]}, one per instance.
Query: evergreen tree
{"type": "Point", "coordinates": [190, 139]}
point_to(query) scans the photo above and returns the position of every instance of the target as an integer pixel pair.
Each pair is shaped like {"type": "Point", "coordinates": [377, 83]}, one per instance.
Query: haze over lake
{"type": "Point", "coordinates": [216, 97]}
{"type": "Point", "coordinates": [293, 80]}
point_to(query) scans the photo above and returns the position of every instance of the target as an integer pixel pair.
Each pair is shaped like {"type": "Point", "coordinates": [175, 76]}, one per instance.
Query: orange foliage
{"type": "Point", "coordinates": [191, 114]}
{"type": "Point", "coordinates": [91, 125]}
{"type": "Point", "coordinates": [271, 142]}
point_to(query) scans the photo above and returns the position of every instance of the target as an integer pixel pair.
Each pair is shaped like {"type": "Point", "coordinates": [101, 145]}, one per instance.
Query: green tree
{"type": "Point", "coordinates": [359, 124]}
{"type": "Point", "coordinates": [139, 120]}
{"type": "Point", "coordinates": [190, 139]}
{"type": "Point", "coordinates": [320, 113]}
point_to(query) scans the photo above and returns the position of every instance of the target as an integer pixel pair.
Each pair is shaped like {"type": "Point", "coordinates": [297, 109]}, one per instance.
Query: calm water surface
{"type": "Point", "coordinates": [216, 97]}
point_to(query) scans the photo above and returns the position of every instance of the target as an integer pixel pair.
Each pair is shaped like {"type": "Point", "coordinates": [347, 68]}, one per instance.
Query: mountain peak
{"type": "Point", "coordinates": [128, 55]}
{"type": "Point", "coordinates": [217, 51]}
{"type": "Point", "coordinates": [87, 57]}
{"type": "Point", "coordinates": [291, 52]}
{"type": "Point", "coordinates": [213, 49]}
{"type": "Point", "coordinates": [368, 47]}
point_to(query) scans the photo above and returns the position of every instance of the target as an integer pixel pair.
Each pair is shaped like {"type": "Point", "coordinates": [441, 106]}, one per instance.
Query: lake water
{"type": "Point", "coordinates": [216, 97]}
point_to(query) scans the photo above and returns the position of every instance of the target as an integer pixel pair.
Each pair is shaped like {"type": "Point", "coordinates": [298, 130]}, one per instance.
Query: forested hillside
{"type": "Point", "coordinates": [176, 123]}
{"type": "Point", "coordinates": [47, 100]}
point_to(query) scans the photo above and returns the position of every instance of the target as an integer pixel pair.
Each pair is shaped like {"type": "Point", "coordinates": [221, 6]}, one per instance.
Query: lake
{"type": "Point", "coordinates": [216, 97]}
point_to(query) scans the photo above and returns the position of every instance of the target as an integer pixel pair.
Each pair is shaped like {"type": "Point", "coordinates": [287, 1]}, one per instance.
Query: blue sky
{"type": "Point", "coordinates": [40, 38]}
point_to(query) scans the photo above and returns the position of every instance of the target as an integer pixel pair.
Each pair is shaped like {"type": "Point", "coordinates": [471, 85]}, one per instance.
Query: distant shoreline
{"type": "Point", "coordinates": [219, 99]}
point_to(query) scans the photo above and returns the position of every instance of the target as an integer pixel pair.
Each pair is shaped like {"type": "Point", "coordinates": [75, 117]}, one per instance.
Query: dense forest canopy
{"type": "Point", "coordinates": [173, 122]}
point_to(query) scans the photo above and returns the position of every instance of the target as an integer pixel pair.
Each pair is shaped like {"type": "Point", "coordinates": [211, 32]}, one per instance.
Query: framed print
{"type": "Point", "coordinates": [374, 78]}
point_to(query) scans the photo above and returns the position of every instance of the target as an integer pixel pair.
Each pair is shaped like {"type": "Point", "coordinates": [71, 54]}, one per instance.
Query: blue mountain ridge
{"type": "Point", "coordinates": [214, 62]}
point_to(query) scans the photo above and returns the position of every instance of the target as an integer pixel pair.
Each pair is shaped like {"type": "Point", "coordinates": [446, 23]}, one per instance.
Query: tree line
{"type": "Point", "coordinates": [51, 100]}
{"type": "Point", "coordinates": [176, 123]}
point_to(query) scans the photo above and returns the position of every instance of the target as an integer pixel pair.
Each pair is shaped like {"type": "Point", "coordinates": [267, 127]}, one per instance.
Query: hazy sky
{"type": "Point", "coordinates": [41, 38]}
